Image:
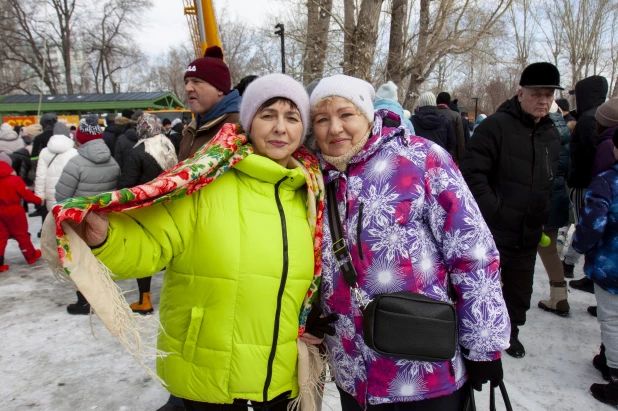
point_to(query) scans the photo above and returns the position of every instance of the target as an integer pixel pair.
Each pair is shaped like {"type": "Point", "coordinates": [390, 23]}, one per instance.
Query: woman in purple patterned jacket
{"type": "Point", "coordinates": [409, 220]}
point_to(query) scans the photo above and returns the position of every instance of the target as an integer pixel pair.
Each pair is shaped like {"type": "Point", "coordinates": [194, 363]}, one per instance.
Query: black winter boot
{"type": "Point", "coordinates": [82, 306]}
{"type": "Point", "coordinates": [607, 393]}
{"type": "Point", "coordinates": [592, 310]}
{"type": "Point", "coordinates": [516, 350]}
{"type": "Point", "coordinates": [568, 270]}
{"type": "Point", "coordinates": [600, 363]}
{"type": "Point", "coordinates": [584, 284]}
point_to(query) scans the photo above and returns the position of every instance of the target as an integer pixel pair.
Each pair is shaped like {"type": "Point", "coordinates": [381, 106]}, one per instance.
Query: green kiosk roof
{"type": "Point", "coordinates": [88, 103]}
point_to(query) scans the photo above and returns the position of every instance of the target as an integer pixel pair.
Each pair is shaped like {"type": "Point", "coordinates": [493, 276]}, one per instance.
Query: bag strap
{"type": "Point", "coordinates": [505, 397]}
{"type": "Point", "coordinates": [52, 160]}
{"type": "Point", "coordinates": [340, 246]}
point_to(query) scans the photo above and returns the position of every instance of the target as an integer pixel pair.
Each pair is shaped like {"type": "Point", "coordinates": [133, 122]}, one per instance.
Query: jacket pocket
{"type": "Point", "coordinates": [197, 314]}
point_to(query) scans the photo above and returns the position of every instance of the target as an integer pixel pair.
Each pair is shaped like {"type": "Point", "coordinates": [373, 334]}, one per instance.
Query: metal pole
{"type": "Point", "coordinates": [476, 107]}
{"type": "Point", "coordinates": [281, 32]}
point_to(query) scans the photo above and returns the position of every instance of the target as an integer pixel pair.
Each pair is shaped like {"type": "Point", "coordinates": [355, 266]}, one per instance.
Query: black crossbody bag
{"type": "Point", "coordinates": [401, 324]}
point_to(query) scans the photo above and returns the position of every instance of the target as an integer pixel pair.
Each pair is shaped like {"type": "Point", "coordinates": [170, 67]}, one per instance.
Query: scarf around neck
{"type": "Point", "coordinates": [70, 258]}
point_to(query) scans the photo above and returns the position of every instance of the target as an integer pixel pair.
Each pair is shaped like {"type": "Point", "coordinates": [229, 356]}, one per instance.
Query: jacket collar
{"type": "Point", "coordinates": [266, 170]}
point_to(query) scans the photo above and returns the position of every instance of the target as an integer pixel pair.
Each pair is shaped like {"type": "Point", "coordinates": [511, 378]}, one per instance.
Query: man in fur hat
{"type": "Point", "coordinates": [510, 166]}
{"type": "Point", "coordinates": [210, 98]}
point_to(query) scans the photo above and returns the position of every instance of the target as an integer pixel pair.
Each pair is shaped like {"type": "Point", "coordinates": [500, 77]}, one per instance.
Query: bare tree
{"type": "Point", "coordinates": [521, 20]}
{"type": "Point", "coordinates": [582, 23]}
{"type": "Point", "coordinates": [318, 22]}
{"type": "Point", "coordinates": [63, 40]}
{"type": "Point", "coordinates": [394, 64]}
{"type": "Point", "coordinates": [360, 36]}
{"type": "Point", "coordinates": [111, 48]}
{"type": "Point", "coordinates": [24, 41]}
{"type": "Point", "coordinates": [448, 28]}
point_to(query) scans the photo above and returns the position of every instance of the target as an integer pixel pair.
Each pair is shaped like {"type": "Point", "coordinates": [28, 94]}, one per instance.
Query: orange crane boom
{"type": "Point", "coordinates": [202, 25]}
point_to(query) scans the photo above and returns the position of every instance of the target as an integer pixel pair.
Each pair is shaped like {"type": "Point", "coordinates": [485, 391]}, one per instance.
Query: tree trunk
{"type": "Point", "coordinates": [64, 12]}
{"type": "Point", "coordinates": [395, 47]}
{"type": "Point", "coordinates": [416, 73]}
{"type": "Point", "coordinates": [349, 23]}
{"type": "Point", "coordinates": [364, 39]}
{"type": "Point", "coordinates": [318, 23]}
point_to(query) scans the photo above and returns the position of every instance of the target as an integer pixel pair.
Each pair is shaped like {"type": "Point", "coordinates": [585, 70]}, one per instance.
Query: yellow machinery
{"type": "Point", "coordinates": [202, 25]}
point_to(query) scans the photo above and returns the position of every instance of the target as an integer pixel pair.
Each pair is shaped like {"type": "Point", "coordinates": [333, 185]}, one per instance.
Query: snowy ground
{"type": "Point", "coordinates": [49, 360]}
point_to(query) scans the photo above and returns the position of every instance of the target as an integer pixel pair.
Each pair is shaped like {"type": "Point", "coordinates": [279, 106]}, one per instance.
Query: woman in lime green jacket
{"type": "Point", "coordinates": [239, 260]}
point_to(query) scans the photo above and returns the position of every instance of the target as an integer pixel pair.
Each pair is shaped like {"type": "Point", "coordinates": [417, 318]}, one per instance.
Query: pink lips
{"type": "Point", "coordinates": [277, 143]}
{"type": "Point", "coordinates": [338, 141]}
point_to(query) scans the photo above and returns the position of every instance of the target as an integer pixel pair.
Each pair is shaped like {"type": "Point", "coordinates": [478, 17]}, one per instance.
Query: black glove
{"type": "Point", "coordinates": [479, 372]}
{"type": "Point", "coordinates": [318, 326]}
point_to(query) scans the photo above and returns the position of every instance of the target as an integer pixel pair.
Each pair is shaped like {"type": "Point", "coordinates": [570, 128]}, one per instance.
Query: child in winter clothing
{"type": "Point", "coordinates": [13, 222]}
{"type": "Point", "coordinates": [597, 236]}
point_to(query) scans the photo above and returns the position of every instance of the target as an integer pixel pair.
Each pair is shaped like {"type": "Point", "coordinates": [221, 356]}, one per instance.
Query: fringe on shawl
{"type": "Point", "coordinates": [117, 316]}
{"type": "Point", "coordinates": [312, 375]}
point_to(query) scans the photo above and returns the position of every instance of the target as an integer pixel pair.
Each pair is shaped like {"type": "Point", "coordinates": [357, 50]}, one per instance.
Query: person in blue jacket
{"type": "Point", "coordinates": [596, 235]}
{"type": "Point", "coordinates": [386, 98]}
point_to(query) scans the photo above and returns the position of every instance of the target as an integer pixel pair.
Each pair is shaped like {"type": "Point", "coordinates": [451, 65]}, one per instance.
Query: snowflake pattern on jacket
{"type": "Point", "coordinates": [409, 218]}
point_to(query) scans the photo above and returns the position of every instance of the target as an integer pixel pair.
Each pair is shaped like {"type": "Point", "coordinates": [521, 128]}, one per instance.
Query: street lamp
{"type": "Point", "coordinates": [281, 32]}
{"type": "Point", "coordinates": [476, 107]}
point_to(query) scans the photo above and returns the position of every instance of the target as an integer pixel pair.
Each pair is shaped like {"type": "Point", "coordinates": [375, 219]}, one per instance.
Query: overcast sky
{"type": "Point", "coordinates": [165, 24]}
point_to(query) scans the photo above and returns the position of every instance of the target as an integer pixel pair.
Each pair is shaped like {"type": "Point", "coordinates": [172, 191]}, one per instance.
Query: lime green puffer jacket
{"type": "Point", "coordinates": [239, 258]}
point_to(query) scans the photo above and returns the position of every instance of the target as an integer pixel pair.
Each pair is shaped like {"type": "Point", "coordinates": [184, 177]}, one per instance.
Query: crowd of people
{"type": "Point", "coordinates": [339, 195]}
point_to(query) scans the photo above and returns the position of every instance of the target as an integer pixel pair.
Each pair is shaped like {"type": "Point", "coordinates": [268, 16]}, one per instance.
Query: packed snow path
{"type": "Point", "coordinates": [49, 360]}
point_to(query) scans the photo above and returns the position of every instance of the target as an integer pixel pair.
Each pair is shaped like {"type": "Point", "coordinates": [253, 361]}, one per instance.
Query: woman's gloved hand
{"type": "Point", "coordinates": [318, 325]}
{"type": "Point", "coordinates": [480, 372]}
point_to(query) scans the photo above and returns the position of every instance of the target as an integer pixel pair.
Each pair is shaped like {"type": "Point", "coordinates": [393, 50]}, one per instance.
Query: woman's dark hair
{"type": "Point", "coordinates": [274, 100]}
{"type": "Point", "coordinates": [17, 129]}
{"type": "Point", "coordinates": [73, 128]}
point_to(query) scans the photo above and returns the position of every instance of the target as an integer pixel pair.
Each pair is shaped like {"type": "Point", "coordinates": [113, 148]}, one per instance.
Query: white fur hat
{"type": "Point", "coordinates": [388, 91]}
{"type": "Point", "coordinates": [354, 89]}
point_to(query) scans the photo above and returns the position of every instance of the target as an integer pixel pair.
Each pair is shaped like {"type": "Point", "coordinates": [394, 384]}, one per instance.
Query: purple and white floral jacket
{"type": "Point", "coordinates": [409, 218]}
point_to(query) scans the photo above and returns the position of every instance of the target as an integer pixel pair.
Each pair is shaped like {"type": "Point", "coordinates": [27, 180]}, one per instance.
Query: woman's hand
{"type": "Point", "coordinates": [311, 339]}
{"type": "Point", "coordinates": [93, 229]}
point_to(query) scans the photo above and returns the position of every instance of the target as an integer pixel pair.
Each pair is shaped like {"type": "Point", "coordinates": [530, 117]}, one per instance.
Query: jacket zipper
{"type": "Point", "coordinates": [549, 172]}
{"type": "Point", "coordinates": [284, 276]}
{"type": "Point", "coordinates": [359, 228]}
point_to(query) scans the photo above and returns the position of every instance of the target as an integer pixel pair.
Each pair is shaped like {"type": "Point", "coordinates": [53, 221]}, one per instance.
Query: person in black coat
{"type": "Point", "coordinates": [121, 124]}
{"type": "Point", "coordinates": [430, 124]}
{"type": "Point", "coordinates": [108, 133]}
{"type": "Point", "coordinates": [175, 134]}
{"type": "Point", "coordinates": [590, 93]}
{"type": "Point", "coordinates": [48, 121]}
{"type": "Point", "coordinates": [509, 167]}
{"type": "Point", "coordinates": [153, 154]}
{"type": "Point", "coordinates": [127, 140]}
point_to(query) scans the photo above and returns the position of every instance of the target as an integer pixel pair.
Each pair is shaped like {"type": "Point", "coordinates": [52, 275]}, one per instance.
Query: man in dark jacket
{"type": "Point", "coordinates": [121, 124]}
{"type": "Point", "coordinates": [127, 140]}
{"type": "Point", "coordinates": [208, 86]}
{"type": "Point", "coordinates": [48, 121]}
{"type": "Point", "coordinates": [565, 108]}
{"type": "Point", "coordinates": [108, 133]}
{"type": "Point", "coordinates": [443, 100]}
{"type": "Point", "coordinates": [510, 166]}
{"type": "Point", "coordinates": [590, 93]}
{"type": "Point", "coordinates": [430, 124]}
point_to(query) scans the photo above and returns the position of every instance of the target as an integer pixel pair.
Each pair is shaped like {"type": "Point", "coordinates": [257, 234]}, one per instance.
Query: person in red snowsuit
{"type": "Point", "coordinates": [13, 222]}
